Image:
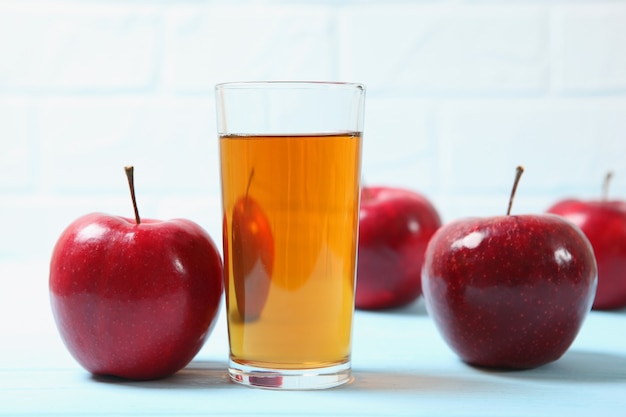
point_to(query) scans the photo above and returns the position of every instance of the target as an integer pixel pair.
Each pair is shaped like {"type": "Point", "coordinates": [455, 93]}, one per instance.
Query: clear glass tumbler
{"type": "Point", "coordinates": [290, 170]}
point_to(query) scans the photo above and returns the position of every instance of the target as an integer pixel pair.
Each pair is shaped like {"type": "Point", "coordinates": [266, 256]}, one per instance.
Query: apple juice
{"type": "Point", "coordinates": [291, 207]}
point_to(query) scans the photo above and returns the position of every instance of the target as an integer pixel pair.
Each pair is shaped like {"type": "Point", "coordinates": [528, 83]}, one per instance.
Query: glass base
{"type": "Point", "coordinates": [290, 379]}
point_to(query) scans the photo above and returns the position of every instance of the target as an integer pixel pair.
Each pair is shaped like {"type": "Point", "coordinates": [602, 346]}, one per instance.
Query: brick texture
{"type": "Point", "coordinates": [459, 93]}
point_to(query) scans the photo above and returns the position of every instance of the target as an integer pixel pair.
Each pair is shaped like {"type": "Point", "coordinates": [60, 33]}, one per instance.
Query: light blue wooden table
{"type": "Point", "coordinates": [401, 368]}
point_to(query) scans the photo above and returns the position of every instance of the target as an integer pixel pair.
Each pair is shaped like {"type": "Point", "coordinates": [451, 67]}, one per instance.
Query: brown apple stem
{"type": "Point", "coordinates": [130, 171]}
{"type": "Point", "coordinates": [518, 174]}
{"type": "Point", "coordinates": [249, 183]}
{"type": "Point", "coordinates": [605, 185]}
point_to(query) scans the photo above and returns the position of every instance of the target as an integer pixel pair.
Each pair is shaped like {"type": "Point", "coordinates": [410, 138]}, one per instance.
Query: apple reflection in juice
{"type": "Point", "coordinates": [252, 255]}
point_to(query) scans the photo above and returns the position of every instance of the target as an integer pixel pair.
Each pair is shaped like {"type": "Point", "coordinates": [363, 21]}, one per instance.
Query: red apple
{"type": "Point", "coordinates": [604, 223]}
{"type": "Point", "coordinates": [252, 257]}
{"type": "Point", "coordinates": [509, 291]}
{"type": "Point", "coordinates": [395, 226]}
{"type": "Point", "coordinates": [134, 298]}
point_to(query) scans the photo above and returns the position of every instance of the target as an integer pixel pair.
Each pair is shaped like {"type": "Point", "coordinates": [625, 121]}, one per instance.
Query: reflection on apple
{"type": "Point", "coordinates": [252, 255]}
{"type": "Point", "coordinates": [509, 291]}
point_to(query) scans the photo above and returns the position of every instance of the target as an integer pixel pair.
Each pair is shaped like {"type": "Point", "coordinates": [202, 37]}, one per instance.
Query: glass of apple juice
{"type": "Point", "coordinates": [290, 170]}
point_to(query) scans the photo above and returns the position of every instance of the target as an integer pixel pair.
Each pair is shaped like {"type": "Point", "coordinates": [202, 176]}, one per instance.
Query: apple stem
{"type": "Point", "coordinates": [518, 174]}
{"type": "Point", "coordinates": [249, 183]}
{"type": "Point", "coordinates": [605, 186]}
{"type": "Point", "coordinates": [130, 170]}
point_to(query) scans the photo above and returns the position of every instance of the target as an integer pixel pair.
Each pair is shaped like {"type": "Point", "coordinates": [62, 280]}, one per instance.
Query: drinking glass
{"type": "Point", "coordinates": [290, 158]}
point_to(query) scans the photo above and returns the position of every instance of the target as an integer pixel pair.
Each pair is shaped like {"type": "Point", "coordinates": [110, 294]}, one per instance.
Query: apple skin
{"type": "Point", "coordinates": [604, 224]}
{"type": "Point", "coordinates": [395, 226]}
{"type": "Point", "coordinates": [509, 292]}
{"type": "Point", "coordinates": [252, 257]}
{"type": "Point", "coordinates": [135, 301]}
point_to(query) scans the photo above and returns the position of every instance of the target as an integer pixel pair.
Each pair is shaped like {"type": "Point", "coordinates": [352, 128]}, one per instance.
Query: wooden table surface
{"type": "Point", "coordinates": [401, 367]}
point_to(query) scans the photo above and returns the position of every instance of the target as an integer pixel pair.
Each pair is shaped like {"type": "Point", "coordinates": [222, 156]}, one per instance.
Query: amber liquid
{"type": "Point", "coordinates": [307, 189]}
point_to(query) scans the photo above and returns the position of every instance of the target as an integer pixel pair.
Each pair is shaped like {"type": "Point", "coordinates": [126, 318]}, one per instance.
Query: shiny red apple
{"type": "Point", "coordinates": [252, 255]}
{"type": "Point", "coordinates": [134, 298]}
{"type": "Point", "coordinates": [509, 291]}
{"type": "Point", "coordinates": [395, 226]}
{"type": "Point", "coordinates": [604, 223]}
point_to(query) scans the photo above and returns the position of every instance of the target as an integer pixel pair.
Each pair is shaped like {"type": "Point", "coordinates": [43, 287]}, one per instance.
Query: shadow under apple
{"type": "Point", "coordinates": [575, 366]}
{"type": "Point", "coordinates": [424, 383]}
{"type": "Point", "coordinates": [196, 375]}
{"type": "Point", "coordinates": [416, 308]}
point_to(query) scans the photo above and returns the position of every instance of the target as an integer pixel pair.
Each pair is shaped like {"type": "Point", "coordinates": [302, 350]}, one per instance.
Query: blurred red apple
{"type": "Point", "coordinates": [509, 291]}
{"type": "Point", "coordinates": [604, 223]}
{"type": "Point", "coordinates": [134, 298]}
{"type": "Point", "coordinates": [395, 227]}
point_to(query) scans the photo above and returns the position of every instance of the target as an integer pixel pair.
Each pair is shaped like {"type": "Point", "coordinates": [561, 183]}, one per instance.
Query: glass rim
{"type": "Point", "coordinates": [294, 85]}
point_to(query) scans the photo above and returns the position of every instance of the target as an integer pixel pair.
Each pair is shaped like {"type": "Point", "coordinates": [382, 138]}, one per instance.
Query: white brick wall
{"type": "Point", "coordinates": [459, 93]}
